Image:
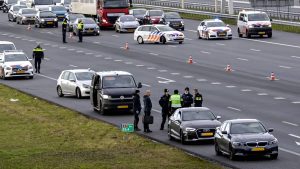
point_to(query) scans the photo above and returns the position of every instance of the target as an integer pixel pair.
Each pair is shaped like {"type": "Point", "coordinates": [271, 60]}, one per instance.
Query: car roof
{"type": "Point", "coordinates": [113, 73]}
{"type": "Point", "coordinates": [251, 12]}
{"type": "Point", "coordinates": [212, 20]}
{"type": "Point", "coordinates": [194, 109]}
{"type": "Point", "coordinates": [6, 42]}
{"type": "Point", "coordinates": [78, 70]}
{"type": "Point", "coordinates": [139, 9]}
{"type": "Point", "coordinates": [242, 120]}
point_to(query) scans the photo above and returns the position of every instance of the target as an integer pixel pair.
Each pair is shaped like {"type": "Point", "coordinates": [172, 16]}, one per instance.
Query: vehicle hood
{"type": "Point", "coordinates": [219, 29]}
{"type": "Point", "coordinates": [119, 91]}
{"type": "Point", "coordinates": [90, 25]}
{"type": "Point", "coordinates": [252, 137]}
{"type": "Point", "coordinates": [128, 23]}
{"type": "Point", "coordinates": [259, 23]}
{"type": "Point", "coordinates": [201, 124]}
{"type": "Point", "coordinates": [17, 64]}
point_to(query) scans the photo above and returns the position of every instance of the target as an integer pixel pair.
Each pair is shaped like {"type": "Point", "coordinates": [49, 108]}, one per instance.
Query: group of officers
{"type": "Point", "coordinates": [169, 104]}
{"type": "Point", "coordinates": [64, 30]}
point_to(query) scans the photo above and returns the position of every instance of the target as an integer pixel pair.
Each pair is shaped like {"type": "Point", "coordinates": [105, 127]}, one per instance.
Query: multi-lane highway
{"type": "Point", "coordinates": [244, 93]}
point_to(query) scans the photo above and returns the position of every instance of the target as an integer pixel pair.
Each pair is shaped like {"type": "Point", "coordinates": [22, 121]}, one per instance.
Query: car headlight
{"type": "Point", "coordinates": [23, 17]}
{"type": "Point", "coordinates": [236, 144]}
{"type": "Point", "coordinates": [7, 68]}
{"type": "Point", "coordinates": [55, 19]}
{"type": "Point", "coordinates": [270, 26]}
{"type": "Point", "coordinates": [105, 96]}
{"type": "Point", "coordinates": [251, 26]}
{"type": "Point", "coordinates": [43, 20]}
{"type": "Point", "coordinates": [86, 86]}
{"type": "Point", "coordinates": [182, 22]}
{"type": "Point", "coordinates": [190, 129]}
{"type": "Point", "coordinates": [275, 141]}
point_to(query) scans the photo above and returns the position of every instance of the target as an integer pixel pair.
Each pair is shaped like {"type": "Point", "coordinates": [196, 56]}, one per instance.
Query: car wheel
{"type": "Point", "coordinates": [59, 91]}
{"type": "Point", "coordinates": [274, 156]}
{"type": "Point", "coordinates": [217, 149]}
{"type": "Point", "coordinates": [169, 134]}
{"type": "Point", "coordinates": [231, 154]}
{"type": "Point", "coordinates": [248, 35]}
{"type": "Point", "coordinates": [163, 40]}
{"type": "Point", "coordinates": [182, 139]}
{"type": "Point", "coordinates": [78, 93]}
{"type": "Point", "coordinates": [270, 35]}
{"type": "Point", "coordinates": [140, 40]}
{"type": "Point", "coordinates": [239, 32]}
{"type": "Point", "coordinates": [102, 111]}
{"type": "Point", "coordinates": [181, 42]}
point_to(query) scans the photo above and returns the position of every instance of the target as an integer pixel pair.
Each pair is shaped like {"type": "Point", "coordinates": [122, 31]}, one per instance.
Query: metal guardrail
{"type": "Point", "coordinates": [177, 8]}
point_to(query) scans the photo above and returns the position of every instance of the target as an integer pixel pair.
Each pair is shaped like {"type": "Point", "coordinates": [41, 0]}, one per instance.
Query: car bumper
{"type": "Point", "coordinates": [175, 39]}
{"type": "Point", "coordinates": [19, 74]}
{"type": "Point", "coordinates": [132, 29]}
{"type": "Point", "coordinates": [120, 105]}
{"type": "Point", "coordinates": [49, 23]}
{"type": "Point", "coordinates": [260, 31]}
{"type": "Point", "coordinates": [177, 27]}
{"type": "Point", "coordinates": [218, 36]}
{"type": "Point", "coordinates": [27, 21]}
{"type": "Point", "coordinates": [85, 92]}
{"type": "Point", "coordinates": [86, 32]}
{"type": "Point", "coordinates": [248, 151]}
{"type": "Point", "coordinates": [193, 136]}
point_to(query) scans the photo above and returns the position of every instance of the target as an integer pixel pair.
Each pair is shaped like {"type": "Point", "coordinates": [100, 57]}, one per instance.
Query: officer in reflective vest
{"type": "Point", "coordinates": [38, 55]}
{"type": "Point", "coordinates": [175, 101]}
{"type": "Point", "coordinates": [64, 29]}
{"type": "Point", "coordinates": [80, 29]}
{"type": "Point", "coordinates": [198, 99]}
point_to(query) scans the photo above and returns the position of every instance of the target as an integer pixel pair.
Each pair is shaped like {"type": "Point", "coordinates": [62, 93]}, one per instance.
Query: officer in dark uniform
{"type": "Point", "coordinates": [130, 3]}
{"type": "Point", "coordinates": [198, 99]}
{"type": "Point", "coordinates": [147, 109]}
{"type": "Point", "coordinates": [64, 29]}
{"type": "Point", "coordinates": [38, 55]}
{"type": "Point", "coordinates": [136, 109]}
{"type": "Point", "coordinates": [165, 107]}
{"type": "Point", "coordinates": [187, 98]}
{"type": "Point", "coordinates": [80, 29]}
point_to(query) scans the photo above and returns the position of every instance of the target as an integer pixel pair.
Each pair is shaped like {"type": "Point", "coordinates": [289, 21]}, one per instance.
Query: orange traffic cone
{"type": "Point", "coordinates": [272, 77]}
{"type": "Point", "coordinates": [126, 46]}
{"type": "Point", "coordinates": [190, 61]}
{"type": "Point", "coordinates": [29, 27]}
{"type": "Point", "coordinates": [228, 68]}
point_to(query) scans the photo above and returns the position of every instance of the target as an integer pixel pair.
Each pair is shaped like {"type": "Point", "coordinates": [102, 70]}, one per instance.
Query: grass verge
{"type": "Point", "coordinates": [37, 134]}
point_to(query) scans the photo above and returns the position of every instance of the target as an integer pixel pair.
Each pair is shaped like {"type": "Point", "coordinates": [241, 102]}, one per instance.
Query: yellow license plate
{"type": "Point", "coordinates": [207, 134]}
{"type": "Point", "coordinates": [49, 22]}
{"type": "Point", "coordinates": [221, 34]}
{"type": "Point", "coordinates": [123, 107]}
{"type": "Point", "coordinates": [261, 33]}
{"type": "Point", "coordinates": [21, 71]}
{"type": "Point", "coordinates": [258, 149]}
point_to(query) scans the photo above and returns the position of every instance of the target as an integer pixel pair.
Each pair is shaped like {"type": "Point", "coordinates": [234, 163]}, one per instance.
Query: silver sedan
{"type": "Point", "coordinates": [126, 23]}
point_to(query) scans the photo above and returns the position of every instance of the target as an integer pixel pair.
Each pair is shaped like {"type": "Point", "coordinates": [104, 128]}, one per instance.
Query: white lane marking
{"type": "Point", "coordinates": [246, 90]}
{"type": "Point", "coordinates": [201, 80]}
{"type": "Point", "coordinates": [297, 57]}
{"type": "Point", "coordinates": [293, 124]}
{"type": "Point", "coordinates": [289, 151]}
{"type": "Point", "coordinates": [50, 32]}
{"type": "Point", "coordinates": [162, 70]}
{"type": "Point", "coordinates": [188, 39]}
{"type": "Point", "coordinates": [46, 44]}
{"type": "Point", "coordinates": [156, 110]}
{"type": "Point", "coordinates": [146, 85]}
{"type": "Point", "coordinates": [215, 83]}
{"type": "Point", "coordinates": [108, 58]}
{"type": "Point", "coordinates": [298, 144]}
{"type": "Point", "coordinates": [297, 102]}
{"type": "Point", "coordinates": [79, 51]}
{"type": "Point", "coordinates": [122, 47]}
{"type": "Point", "coordinates": [191, 30]}
{"type": "Point", "coordinates": [3, 34]}
{"type": "Point", "coordinates": [62, 47]}
{"type": "Point", "coordinates": [45, 76]}
{"type": "Point", "coordinates": [32, 40]}
{"type": "Point", "coordinates": [166, 81]}
{"type": "Point", "coordinates": [233, 108]}
{"type": "Point", "coordinates": [279, 98]}
{"type": "Point", "coordinates": [175, 73]}
{"type": "Point", "coordinates": [151, 68]}
{"type": "Point", "coordinates": [128, 63]}
{"type": "Point", "coordinates": [205, 52]}
{"type": "Point", "coordinates": [47, 59]}
{"type": "Point", "coordinates": [17, 37]}
{"type": "Point", "coordinates": [255, 50]}
{"type": "Point", "coordinates": [139, 65]}
{"type": "Point", "coordinates": [155, 54]}
{"type": "Point", "coordinates": [262, 94]}
{"type": "Point", "coordinates": [118, 60]}
{"type": "Point", "coordinates": [71, 49]}
{"type": "Point", "coordinates": [188, 77]}
{"type": "Point", "coordinates": [173, 46]}
{"type": "Point", "coordinates": [73, 66]}
{"type": "Point", "coordinates": [98, 56]}
{"type": "Point", "coordinates": [115, 36]}
{"type": "Point", "coordinates": [243, 59]}
{"type": "Point", "coordinates": [285, 67]}
{"type": "Point", "coordinates": [89, 53]}
{"type": "Point", "coordinates": [24, 39]}
{"type": "Point", "coordinates": [230, 86]}
{"type": "Point", "coordinates": [96, 42]}
{"type": "Point", "coordinates": [221, 44]}
{"type": "Point", "coordinates": [273, 43]}
{"type": "Point", "coordinates": [293, 135]}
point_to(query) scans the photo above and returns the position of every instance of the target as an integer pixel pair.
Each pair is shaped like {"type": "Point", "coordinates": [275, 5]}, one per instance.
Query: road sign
{"type": "Point", "coordinates": [127, 127]}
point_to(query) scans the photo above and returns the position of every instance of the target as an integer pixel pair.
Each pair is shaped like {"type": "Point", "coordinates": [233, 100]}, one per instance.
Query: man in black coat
{"type": "Point", "coordinates": [64, 29]}
{"type": "Point", "coordinates": [147, 110]}
{"type": "Point", "coordinates": [187, 98]}
{"type": "Point", "coordinates": [38, 55]}
{"type": "Point", "coordinates": [165, 107]}
{"type": "Point", "coordinates": [198, 99]}
{"type": "Point", "coordinates": [136, 109]}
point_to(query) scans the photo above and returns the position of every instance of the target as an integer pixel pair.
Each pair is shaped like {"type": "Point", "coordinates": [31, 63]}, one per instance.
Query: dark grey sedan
{"type": "Point", "coordinates": [173, 19]}
{"type": "Point", "coordinates": [243, 137]}
{"type": "Point", "coordinates": [26, 16]}
{"type": "Point", "coordinates": [193, 124]}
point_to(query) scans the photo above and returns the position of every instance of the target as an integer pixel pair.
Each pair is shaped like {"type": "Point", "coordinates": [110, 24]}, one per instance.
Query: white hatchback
{"type": "Point", "coordinates": [75, 82]}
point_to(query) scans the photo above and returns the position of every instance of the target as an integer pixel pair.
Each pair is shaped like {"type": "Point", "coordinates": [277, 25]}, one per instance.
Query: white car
{"type": "Point", "coordinates": [214, 29]}
{"type": "Point", "coordinates": [15, 64]}
{"type": "Point", "coordinates": [6, 45]}
{"type": "Point", "coordinates": [75, 82]}
{"type": "Point", "coordinates": [157, 33]}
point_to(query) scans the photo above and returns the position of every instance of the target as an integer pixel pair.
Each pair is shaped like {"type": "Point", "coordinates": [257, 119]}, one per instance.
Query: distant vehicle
{"type": "Point", "coordinates": [13, 11]}
{"type": "Point", "coordinates": [113, 90]}
{"type": "Point", "coordinates": [214, 29]}
{"type": "Point", "coordinates": [157, 34]}
{"type": "Point", "coordinates": [37, 4]}
{"type": "Point", "coordinates": [106, 11]}
{"type": "Point", "coordinates": [245, 137]}
{"type": "Point", "coordinates": [193, 124]}
{"type": "Point", "coordinates": [71, 17]}
{"type": "Point", "coordinates": [6, 46]}
{"type": "Point", "coordinates": [153, 16]}
{"type": "Point", "coordinates": [173, 19]}
{"type": "Point", "coordinates": [90, 27]}
{"type": "Point", "coordinates": [45, 18]}
{"type": "Point", "coordinates": [74, 82]}
{"type": "Point", "coordinates": [7, 4]}
{"type": "Point", "coordinates": [65, 3]}
{"type": "Point", "coordinates": [60, 11]}
{"type": "Point", "coordinates": [126, 23]}
{"type": "Point", "coordinates": [26, 16]}
{"type": "Point", "coordinates": [15, 64]}
{"type": "Point", "coordinates": [254, 23]}
{"type": "Point", "coordinates": [139, 14]}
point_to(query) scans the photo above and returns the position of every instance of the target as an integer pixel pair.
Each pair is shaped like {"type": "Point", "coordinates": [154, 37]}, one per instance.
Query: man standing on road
{"type": "Point", "coordinates": [38, 55]}
{"type": "Point", "coordinates": [175, 101]}
{"type": "Point", "coordinates": [165, 108]}
{"type": "Point", "coordinates": [147, 110]}
{"type": "Point", "coordinates": [187, 98]}
{"type": "Point", "coordinates": [64, 30]}
{"type": "Point", "coordinates": [136, 109]}
{"type": "Point", "coordinates": [80, 29]}
{"type": "Point", "coordinates": [198, 99]}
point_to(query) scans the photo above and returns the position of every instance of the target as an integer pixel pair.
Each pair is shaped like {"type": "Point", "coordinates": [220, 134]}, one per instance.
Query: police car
{"type": "Point", "coordinates": [214, 29]}
{"type": "Point", "coordinates": [157, 33]}
{"type": "Point", "coordinates": [15, 63]}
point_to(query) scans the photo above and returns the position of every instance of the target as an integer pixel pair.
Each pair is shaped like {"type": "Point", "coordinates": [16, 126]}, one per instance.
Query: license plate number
{"type": "Point", "coordinates": [207, 134]}
{"type": "Point", "coordinates": [49, 22]}
{"type": "Point", "coordinates": [261, 33]}
{"type": "Point", "coordinates": [90, 31]}
{"type": "Point", "coordinates": [258, 149]}
{"type": "Point", "coordinates": [123, 107]}
{"type": "Point", "coordinates": [222, 34]}
{"type": "Point", "coordinates": [21, 71]}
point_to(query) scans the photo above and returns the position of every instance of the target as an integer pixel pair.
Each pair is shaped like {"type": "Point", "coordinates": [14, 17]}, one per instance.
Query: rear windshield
{"type": "Point", "coordinates": [155, 13]}
{"type": "Point", "coordinates": [4, 47]}
{"type": "Point", "coordinates": [127, 18]}
{"type": "Point", "coordinates": [15, 57]}
{"type": "Point", "coordinates": [124, 81]}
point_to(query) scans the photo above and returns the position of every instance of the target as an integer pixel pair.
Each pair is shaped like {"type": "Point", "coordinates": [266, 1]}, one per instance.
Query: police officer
{"type": "Point", "coordinates": [136, 109]}
{"type": "Point", "coordinates": [64, 30]}
{"type": "Point", "coordinates": [198, 99]}
{"type": "Point", "coordinates": [38, 55]}
{"type": "Point", "coordinates": [80, 29]}
{"type": "Point", "coordinates": [165, 108]}
{"type": "Point", "coordinates": [130, 3]}
{"type": "Point", "coordinates": [187, 98]}
{"type": "Point", "coordinates": [147, 109]}
{"type": "Point", "coordinates": [175, 101]}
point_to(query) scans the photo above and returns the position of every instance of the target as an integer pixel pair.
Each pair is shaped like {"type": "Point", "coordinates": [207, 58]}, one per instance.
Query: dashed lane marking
{"type": "Point", "coordinates": [173, 46]}
{"type": "Point", "coordinates": [297, 57]}
{"type": "Point", "coordinates": [115, 36]}
{"type": "Point", "coordinates": [165, 80]}
{"type": "Point", "coordinates": [45, 76]}
{"type": "Point", "coordinates": [255, 50]}
{"type": "Point", "coordinates": [289, 151]}
{"type": "Point", "coordinates": [118, 60]}
{"type": "Point", "coordinates": [151, 68]}
{"type": "Point", "coordinates": [32, 40]}
{"type": "Point", "coordinates": [215, 83]}
{"type": "Point", "coordinates": [146, 85]}
{"type": "Point", "coordinates": [98, 56]}
{"type": "Point", "coordinates": [201, 80]}
{"type": "Point", "coordinates": [221, 44]}
{"type": "Point", "coordinates": [285, 67]}
{"type": "Point", "coordinates": [139, 65]}
{"type": "Point", "coordinates": [155, 54]}
{"type": "Point", "coordinates": [73, 66]}
{"type": "Point", "coordinates": [188, 77]}
{"type": "Point", "coordinates": [205, 52]}
{"type": "Point", "coordinates": [79, 51]}
{"type": "Point", "coordinates": [188, 39]}
{"type": "Point", "coordinates": [293, 124]}
{"type": "Point", "coordinates": [262, 94]}
{"type": "Point", "coordinates": [71, 49]}
{"type": "Point", "coordinates": [46, 44]}
{"type": "Point", "coordinates": [17, 37]}
{"type": "Point", "coordinates": [297, 102]}
{"type": "Point", "coordinates": [230, 86]}
{"type": "Point", "coordinates": [62, 47]}
{"type": "Point", "coordinates": [246, 90]}
{"type": "Point", "coordinates": [273, 43]}
{"type": "Point", "coordinates": [243, 59]}
{"type": "Point", "coordinates": [107, 58]}
{"type": "Point", "coordinates": [128, 63]}
{"type": "Point", "coordinates": [279, 98]}
{"type": "Point", "coordinates": [162, 70]}
{"type": "Point", "coordinates": [175, 73]}
{"type": "Point", "coordinates": [293, 135]}
{"type": "Point", "coordinates": [54, 46]}
{"type": "Point", "coordinates": [96, 42]}
{"type": "Point", "coordinates": [47, 59]}
{"type": "Point", "coordinates": [89, 53]}
{"type": "Point", "coordinates": [233, 108]}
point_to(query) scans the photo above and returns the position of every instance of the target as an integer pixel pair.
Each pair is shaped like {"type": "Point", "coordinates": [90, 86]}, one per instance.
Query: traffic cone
{"type": "Point", "coordinates": [126, 46]}
{"type": "Point", "coordinates": [273, 77]}
{"type": "Point", "coordinates": [190, 61]}
{"type": "Point", "coordinates": [29, 27]}
{"type": "Point", "coordinates": [228, 68]}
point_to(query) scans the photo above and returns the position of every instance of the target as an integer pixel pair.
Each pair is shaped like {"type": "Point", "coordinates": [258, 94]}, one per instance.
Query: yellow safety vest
{"type": "Point", "coordinates": [37, 50]}
{"type": "Point", "coordinates": [80, 26]}
{"type": "Point", "coordinates": [175, 100]}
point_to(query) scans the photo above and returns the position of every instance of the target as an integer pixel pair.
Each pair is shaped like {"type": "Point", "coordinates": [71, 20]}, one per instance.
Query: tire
{"type": "Point", "coordinates": [181, 42]}
{"type": "Point", "coordinates": [78, 93]}
{"type": "Point", "coordinates": [239, 32]}
{"type": "Point", "coordinates": [59, 91]}
{"type": "Point", "coordinates": [231, 154]}
{"type": "Point", "coordinates": [163, 40]}
{"type": "Point", "coordinates": [183, 142]}
{"type": "Point", "coordinates": [169, 134]}
{"type": "Point", "coordinates": [270, 35]}
{"type": "Point", "coordinates": [140, 40]}
{"type": "Point", "coordinates": [248, 35]}
{"type": "Point", "coordinates": [274, 156]}
{"type": "Point", "coordinates": [217, 149]}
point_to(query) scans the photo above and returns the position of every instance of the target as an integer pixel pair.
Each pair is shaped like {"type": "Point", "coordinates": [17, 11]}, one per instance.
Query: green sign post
{"type": "Point", "coordinates": [127, 127]}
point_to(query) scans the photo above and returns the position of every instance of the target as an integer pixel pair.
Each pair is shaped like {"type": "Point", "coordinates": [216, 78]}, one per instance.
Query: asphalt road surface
{"type": "Point", "coordinates": [244, 93]}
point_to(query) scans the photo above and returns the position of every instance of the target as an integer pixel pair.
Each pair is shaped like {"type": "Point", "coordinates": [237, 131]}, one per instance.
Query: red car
{"type": "Point", "coordinates": [153, 16]}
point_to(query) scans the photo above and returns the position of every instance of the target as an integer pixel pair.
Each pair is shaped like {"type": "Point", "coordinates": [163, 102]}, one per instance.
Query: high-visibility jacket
{"type": "Point", "coordinates": [175, 100]}
{"type": "Point", "coordinates": [38, 53]}
{"type": "Point", "coordinates": [80, 26]}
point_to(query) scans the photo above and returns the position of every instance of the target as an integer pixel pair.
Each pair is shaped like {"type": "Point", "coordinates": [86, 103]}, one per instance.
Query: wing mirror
{"type": "Point", "coordinates": [227, 25]}
{"type": "Point", "coordinates": [271, 19]}
{"type": "Point", "coordinates": [140, 85]}
{"type": "Point", "coordinates": [218, 117]}
{"type": "Point", "coordinates": [271, 130]}
{"type": "Point", "coordinates": [224, 132]}
{"type": "Point", "coordinates": [72, 80]}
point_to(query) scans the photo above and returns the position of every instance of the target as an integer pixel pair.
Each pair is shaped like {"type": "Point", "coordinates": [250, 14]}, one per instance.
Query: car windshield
{"type": "Point", "coordinates": [172, 15]}
{"type": "Point", "coordinates": [81, 76]}
{"type": "Point", "coordinates": [73, 17]}
{"type": "Point", "coordinates": [43, 2]}
{"type": "Point", "coordinates": [28, 11]}
{"type": "Point", "coordinates": [17, 8]}
{"type": "Point", "coordinates": [15, 57]}
{"type": "Point", "coordinates": [12, 1]}
{"type": "Point", "coordinates": [88, 21]}
{"type": "Point", "coordinates": [197, 115]}
{"type": "Point", "coordinates": [243, 128]}
{"type": "Point", "coordinates": [139, 12]}
{"type": "Point", "coordinates": [47, 14]}
{"type": "Point", "coordinates": [215, 24]}
{"type": "Point", "coordinates": [115, 3]}
{"type": "Point", "coordinates": [56, 1]}
{"type": "Point", "coordinates": [58, 8]}
{"type": "Point", "coordinates": [124, 81]}
{"type": "Point", "coordinates": [127, 18]}
{"type": "Point", "coordinates": [258, 17]}
{"type": "Point", "coordinates": [164, 28]}
{"type": "Point", "coordinates": [67, 2]}
{"type": "Point", "coordinates": [4, 47]}
{"type": "Point", "coordinates": [155, 13]}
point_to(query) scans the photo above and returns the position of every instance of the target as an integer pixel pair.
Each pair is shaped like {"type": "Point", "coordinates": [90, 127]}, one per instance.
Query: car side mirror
{"type": "Point", "coordinates": [271, 19]}
{"type": "Point", "coordinates": [72, 80]}
{"type": "Point", "coordinates": [271, 130]}
{"type": "Point", "coordinates": [140, 85]}
{"type": "Point", "coordinates": [218, 117]}
{"type": "Point", "coordinates": [224, 132]}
